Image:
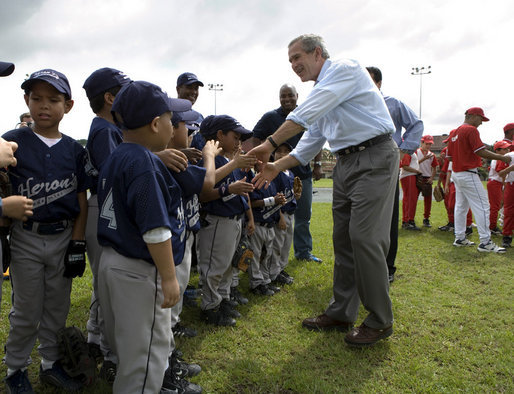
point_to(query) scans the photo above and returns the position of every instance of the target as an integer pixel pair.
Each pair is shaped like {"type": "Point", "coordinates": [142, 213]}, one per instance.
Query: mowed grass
{"type": "Point", "coordinates": [453, 326]}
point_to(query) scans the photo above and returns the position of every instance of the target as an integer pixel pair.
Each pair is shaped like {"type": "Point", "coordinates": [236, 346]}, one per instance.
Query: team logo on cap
{"type": "Point", "coordinates": [49, 73]}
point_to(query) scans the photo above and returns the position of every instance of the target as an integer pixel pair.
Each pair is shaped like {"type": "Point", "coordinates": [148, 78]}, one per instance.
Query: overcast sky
{"type": "Point", "coordinates": [242, 44]}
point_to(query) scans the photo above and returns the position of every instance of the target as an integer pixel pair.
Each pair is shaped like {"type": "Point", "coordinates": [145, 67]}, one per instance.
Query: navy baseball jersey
{"type": "Point", "coordinates": [232, 204]}
{"type": "Point", "coordinates": [103, 138]}
{"type": "Point", "coordinates": [265, 214]}
{"type": "Point", "coordinates": [136, 194]}
{"type": "Point", "coordinates": [51, 176]}
{"type": "Point", "coordinates": [284, 183]}
{"type": "Point", "coordinates": [191, 182]}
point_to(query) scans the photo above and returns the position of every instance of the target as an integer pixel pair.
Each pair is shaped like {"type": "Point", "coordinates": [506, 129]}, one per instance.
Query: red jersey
{"type": "Point", "coordinates": [511, 147]}
{"type": "Point", "coordinates": [462, 147]}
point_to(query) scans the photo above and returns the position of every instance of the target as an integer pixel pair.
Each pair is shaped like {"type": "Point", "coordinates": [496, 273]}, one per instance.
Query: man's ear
{"type": "Point", "coordinates": [68, 105]}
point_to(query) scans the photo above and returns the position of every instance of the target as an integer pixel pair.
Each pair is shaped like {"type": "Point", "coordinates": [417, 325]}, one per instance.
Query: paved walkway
{"type": "Point", "coordinates": [324, 194]}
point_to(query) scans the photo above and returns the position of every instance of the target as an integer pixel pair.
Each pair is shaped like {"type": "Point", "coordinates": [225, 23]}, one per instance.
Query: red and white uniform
{"type": "Point", "coordinates": [449, 198]}
{"type": "Point", "coordinates": [508, 201]}
{"type": "Point", "coordinates": [469, 192]}
{"type": "Point", "coordinates": [495, 191]}
{"type": "Point", "coordinates": [426, 167]}
{"type": "Point", "coordinates": [410, 191]}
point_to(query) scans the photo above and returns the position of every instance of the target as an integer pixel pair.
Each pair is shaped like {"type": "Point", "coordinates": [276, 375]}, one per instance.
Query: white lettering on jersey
{"type": "Point", "coordinates": [66, 187]}
{"type": "Point", "coordinates": [107, 211]}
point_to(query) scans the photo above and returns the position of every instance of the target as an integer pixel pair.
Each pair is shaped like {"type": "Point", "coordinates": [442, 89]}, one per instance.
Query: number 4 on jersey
{"type": "Point", "coordinates": [107, 211]}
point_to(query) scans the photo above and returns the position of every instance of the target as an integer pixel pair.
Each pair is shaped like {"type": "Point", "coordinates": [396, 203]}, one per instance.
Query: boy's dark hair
{"type": "Point", "coordinates": [213, 136]}
{"type": "Point", "coordinates": [376, 74]}
{"type": "Point", "coordinates": [27, 92]}
{"type": "Point", "coordinates": [97, 102]}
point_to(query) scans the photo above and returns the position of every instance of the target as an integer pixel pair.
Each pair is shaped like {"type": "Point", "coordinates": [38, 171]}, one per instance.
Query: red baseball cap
{"type": "Point", "coordinates": [501, 145]}
{"type": "Point", "coordinates": [477, 111]}
{"type": "Point", "coordinates": [508, 126]}
{"type": "Point", "coordinates": [427, 139]}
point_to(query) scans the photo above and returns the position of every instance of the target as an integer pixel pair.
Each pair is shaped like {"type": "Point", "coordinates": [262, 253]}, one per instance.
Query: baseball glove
{"type": "Point", "coordinates": [243, 255]}
{"type": "Point", "coordinates": [76, 358]}
{"type": "Point", "coordinates": [297, 187]}
{"type": "Point", "coordinates": [438, 193]}
{"type": "Point", "coordinates": [423, 186]}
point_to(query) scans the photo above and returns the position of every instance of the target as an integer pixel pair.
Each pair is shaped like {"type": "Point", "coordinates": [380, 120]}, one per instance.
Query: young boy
{"type": "Point", "coordinates": [48, 250]}
{"type": "Point", "coordinates": [408, 172]}
{"type": "Point", "coordinates": [495, 186]}
{"type": "Point", "coordinates": [508, 201]}
{"type": "Point", "coordinates": [221, 223]}
{"type": "Point", "coordinates": [283, 239]}
{"type": "Point", "coordinates": [104, 136]}
{"type": "Point", "coordinates": [266, 204]}
{"type": "Point", "coordinates": [141, 230]}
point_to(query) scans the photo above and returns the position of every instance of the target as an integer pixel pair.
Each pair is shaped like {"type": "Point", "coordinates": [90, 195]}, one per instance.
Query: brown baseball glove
{"type": "Point", "coordinates": [297, 187]}
{"type": "Point", "coordinates": [438, 193]}
{"type": "Point", "coordinates": [243, 255]}
{"type": "Point", "coordinates": [76, 358]}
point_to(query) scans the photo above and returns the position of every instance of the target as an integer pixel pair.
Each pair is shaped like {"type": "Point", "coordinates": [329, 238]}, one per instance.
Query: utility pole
{"type": "Point", "coordinates": [217, 88]}
{"type": "Point", "coordinates": [421, 71]}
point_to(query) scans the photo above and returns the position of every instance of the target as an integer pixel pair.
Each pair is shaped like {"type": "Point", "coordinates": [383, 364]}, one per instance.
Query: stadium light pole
{"type": "Point", "coordinates": [217, 88]}
{"type": "Point", "coordinates": [421, 71]}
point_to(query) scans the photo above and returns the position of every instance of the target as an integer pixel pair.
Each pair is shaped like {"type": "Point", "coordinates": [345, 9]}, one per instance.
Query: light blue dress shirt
{"type": "Point", "coordinates": [344, 108]}
{"type": "Point", "coordinates": [404, 117]}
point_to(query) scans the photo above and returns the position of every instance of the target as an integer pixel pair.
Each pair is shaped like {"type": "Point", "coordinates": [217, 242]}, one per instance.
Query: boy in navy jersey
{"type": "Point", "coordinates": [222, 213]}
{"type": "Point", "coordinates": [284, 182]}
{"type": "Point", "coordinates": [104, 136]}
{"type": "Point", "coordinates": [48, 250]}
{"type": "Point", "coordinates": [141, 229]}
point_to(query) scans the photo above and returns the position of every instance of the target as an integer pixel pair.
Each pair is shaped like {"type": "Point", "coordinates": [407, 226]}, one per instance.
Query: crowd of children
{"type": "Point", "coordinates": [155, 205]}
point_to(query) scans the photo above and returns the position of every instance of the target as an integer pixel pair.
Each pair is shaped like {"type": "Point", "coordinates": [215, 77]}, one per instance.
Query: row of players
{"type": "Point", "coordinates": [419, 170]}
{"type": "Point", "coordinates": [140, 217]}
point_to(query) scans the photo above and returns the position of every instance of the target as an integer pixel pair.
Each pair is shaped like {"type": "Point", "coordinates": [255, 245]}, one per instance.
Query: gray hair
{"type": "Point", "coordinates": [310, 42]}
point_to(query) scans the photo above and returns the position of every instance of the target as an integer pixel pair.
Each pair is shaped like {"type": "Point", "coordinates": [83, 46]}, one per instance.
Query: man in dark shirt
{"type": "Point", "coordinates": [265, 127]}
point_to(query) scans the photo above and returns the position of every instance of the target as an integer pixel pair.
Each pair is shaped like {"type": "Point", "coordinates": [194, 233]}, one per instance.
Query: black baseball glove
{"type": "Point", "coordinates": [76, 358]}
{"type": "Point", "coordinates": [75, 259]}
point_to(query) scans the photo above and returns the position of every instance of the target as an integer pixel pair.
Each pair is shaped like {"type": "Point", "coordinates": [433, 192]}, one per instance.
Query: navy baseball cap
{"type": "Point", "coordinates": [186, 116]}
{"type": "Point", "coordinates": [287, 145]}
{"type": "Point", "coordinates": [212, 123]}
{"type": "Point", "coordinates": [139, 102]}
{"type": "Point", "coordinates": [6, 69]}
{"type": "Point", "coordinates": [188, 79]}
{"type": "Point", "coordinates": [104, 79]}
{"type": "Point", "coordinates": [54, 78]}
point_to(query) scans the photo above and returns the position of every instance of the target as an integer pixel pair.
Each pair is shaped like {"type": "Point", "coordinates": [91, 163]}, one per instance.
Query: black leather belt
{"type": "Point", "coordinates": [363, 145]}
{"type": "Point", "coordinates": [264, 224]}
{"type": "Point", "coordinates": [46, 228]}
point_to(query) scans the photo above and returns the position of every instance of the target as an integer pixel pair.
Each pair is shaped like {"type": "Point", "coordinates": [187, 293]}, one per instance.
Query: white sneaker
{"type": "Point", "coordinates": [463, 242]}
{"type": "Point", "coordinates": [491, 247]}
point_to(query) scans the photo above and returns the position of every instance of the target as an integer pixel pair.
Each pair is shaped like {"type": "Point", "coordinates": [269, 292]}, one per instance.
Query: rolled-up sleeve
{"type": "Point", "coordinates": [309, 145]}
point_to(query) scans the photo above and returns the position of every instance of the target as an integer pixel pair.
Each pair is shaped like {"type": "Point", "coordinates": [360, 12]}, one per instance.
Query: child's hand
{"type": "Point", "coordinates": [282, 223]}
{"type": "Point", "coordinates": [280, 199]}
{"type": "Point", "coordinates": [244, 161]}
{"type": "Point", "coordinates": [174, 159]}
{"type": "Point", "coordinates": [7, 149]}
{"type": "Point", "coordinates": [250, 227]}
{"type": "Point", "coordinates": [211, 148]}
{"type": "Point", "coordinates": [171, 292]}
{"type": "Point", "coordinates": [17, 207]}
{"type": "Point", "coordinates": [192, 154]}
{"type": "Point", "coordinates": [241, 187]}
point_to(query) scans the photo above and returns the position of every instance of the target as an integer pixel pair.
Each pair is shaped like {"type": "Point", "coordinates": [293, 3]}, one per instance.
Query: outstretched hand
{"type": "Point", "coordinates": [265, 176]}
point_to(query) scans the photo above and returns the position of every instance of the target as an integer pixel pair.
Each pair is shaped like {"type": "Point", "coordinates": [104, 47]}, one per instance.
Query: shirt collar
{"type": "Point", "coordinates": [323, 70]}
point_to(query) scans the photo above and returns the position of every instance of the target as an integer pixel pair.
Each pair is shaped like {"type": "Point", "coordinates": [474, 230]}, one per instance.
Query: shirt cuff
{"type": "Point", "coordinates": [295, 118]}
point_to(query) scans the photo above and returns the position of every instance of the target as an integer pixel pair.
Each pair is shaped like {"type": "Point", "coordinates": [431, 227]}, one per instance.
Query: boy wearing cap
{"type": "Point", "coordinates": [104, 136]}
{"type": "Point", "coordinates": [283, 239]}
{"type": "Point", "coordinates": [508, 201]}
{"type": "Point", "coordinates": [221, 223]}
{"type": "Point", "coordinates": [466, 150]}
{"type": "Point", "coordinates": [427, 165]}
{"type": "Point", "coordinates": [48, 250]}
{"type": "Point", "coordinates": [141, 230]}
{"type": "Point", "coordinates": [508, 130]}
{"type": "Point", "coordinates": [495, 186]}
{"type": "Point", "coordinates": [409, 169]}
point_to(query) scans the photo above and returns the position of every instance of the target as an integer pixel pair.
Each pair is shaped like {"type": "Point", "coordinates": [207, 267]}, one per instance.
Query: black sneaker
{"type": "Point", "coordinates": [496, 231]}
{"type": "Point", "coordinates": [262, 290]}
{"type": "Point", "coordinates": [235, 295]}
{"type": "Point", "coordinates": [405, 224]}
{"type": "Point", "coordinates": [182, 368]}
{"type": "Point", "coordinates": [182, 331]}
{"type": "Point", "coordinates": [448, 227]}
{"type": "Point", "coordinates": [57, 376]}
{"type": "Point", "coordinates": [507, 242]}
{"type": "Point", "coordinates": [19, 382]}
{"type": "Point", "coordinates": [108, 371]}
{"type": "Point", "coordinates": [426, 223]}
{"type": "Point", "coordinates": [391, 278]}
{"type": "Point", "coordinates": [228, 309]}
{"type": "Point", "coordinates": [274, 289]}
{"type": "Point", "coordinates": [469, 230]}
{"type": "Point", "coordinates": [412, 226]}
{"type": "Point", "coordinates": [217, 317]}
{"type": "Point", "coordinates": [95, 352]}
{"type": "Point", "coordinates": [282, 279]}
{"type": "Point", "coordinates": [177, 384]}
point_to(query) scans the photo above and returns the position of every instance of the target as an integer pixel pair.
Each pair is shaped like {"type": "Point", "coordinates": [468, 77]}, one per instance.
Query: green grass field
{"type": "Point", "coordinates": [453, 327]}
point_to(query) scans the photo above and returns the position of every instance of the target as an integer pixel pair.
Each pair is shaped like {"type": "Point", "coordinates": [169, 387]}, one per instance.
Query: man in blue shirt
{"type": "Point", "coordinates": [403, 118]}
{"type": "Point", "coordinates": [266, 126]}
{"type": "Point", "coordinates": [346, 109]}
